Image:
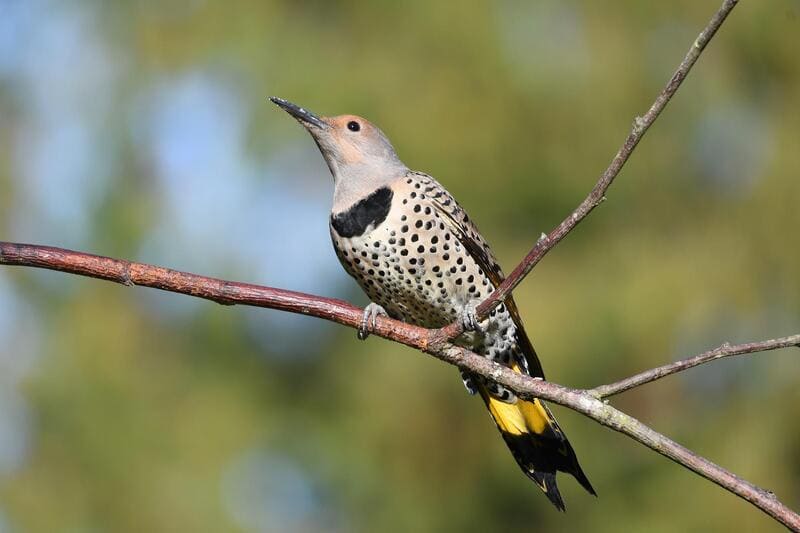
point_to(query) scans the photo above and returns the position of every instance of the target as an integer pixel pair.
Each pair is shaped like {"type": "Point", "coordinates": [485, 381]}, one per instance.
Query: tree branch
{"type": "Point", "coordinates": [726, 350]}
{"type": "Point", "coordinates": [640, 126]}
{"type": "Point", "coordinates": [217, 290]}
{"type": "Point", "coordinates": [224, 292]}
{"type": "Point", "coordinates": [435, 342]}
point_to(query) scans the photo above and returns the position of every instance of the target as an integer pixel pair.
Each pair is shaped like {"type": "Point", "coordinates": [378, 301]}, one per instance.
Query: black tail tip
{"type": "Point", "coordinates": [547, 482]}
{"type": "Point", "coordinates": [583, 480]}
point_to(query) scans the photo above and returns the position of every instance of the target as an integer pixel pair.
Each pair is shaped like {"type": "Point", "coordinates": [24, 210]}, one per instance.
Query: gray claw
{"type": "Point", "coordinates": [368, 319]}
{"type": "Point", "coordinates": [469, 318]}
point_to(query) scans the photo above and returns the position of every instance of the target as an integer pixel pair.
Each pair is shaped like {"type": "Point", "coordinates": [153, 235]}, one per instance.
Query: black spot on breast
{"type": "Point", "coordinates": [370, 211]}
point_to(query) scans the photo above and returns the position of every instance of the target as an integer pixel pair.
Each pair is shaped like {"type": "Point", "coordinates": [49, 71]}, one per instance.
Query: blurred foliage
{"type": "Point", "coordinates": [145, 412]}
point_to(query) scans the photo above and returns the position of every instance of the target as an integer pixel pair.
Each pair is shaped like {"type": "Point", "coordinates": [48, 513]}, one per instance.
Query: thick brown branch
{"type": "Point", "coordinates": [597, 195]}
{"type": "Point", "coordinates": [726, 350]}
{"type": "Point", "coordinates": [216, 290]}
{"type": "Point", "coordinates": [229, 292]}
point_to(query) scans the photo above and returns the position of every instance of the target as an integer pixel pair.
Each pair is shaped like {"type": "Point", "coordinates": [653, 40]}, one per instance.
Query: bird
{"type": "Point", "coordinates": [420, 259]}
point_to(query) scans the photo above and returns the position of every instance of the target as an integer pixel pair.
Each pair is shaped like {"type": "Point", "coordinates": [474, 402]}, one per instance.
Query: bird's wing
{"type": "Point", "coordinates": [528, 427]}
{"type": "Point", "coordinates": [470, 238]}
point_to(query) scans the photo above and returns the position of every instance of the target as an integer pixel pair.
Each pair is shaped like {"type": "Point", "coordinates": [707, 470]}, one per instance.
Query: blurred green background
{"type": "Point", "coordinates": [141, 129]}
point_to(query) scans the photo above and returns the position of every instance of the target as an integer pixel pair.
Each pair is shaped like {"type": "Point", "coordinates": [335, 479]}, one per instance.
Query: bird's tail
{"type": "Point", "coordinates": [537, 443]}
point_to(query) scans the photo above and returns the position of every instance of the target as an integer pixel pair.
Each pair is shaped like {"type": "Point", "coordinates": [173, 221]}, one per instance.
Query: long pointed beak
{"type": "Point", "coordinates": [307, 118]}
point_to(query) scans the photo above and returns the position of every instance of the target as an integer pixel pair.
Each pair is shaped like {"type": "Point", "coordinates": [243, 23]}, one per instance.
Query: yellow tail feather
{"type": "Point", "coordinates": [518, 418]}
{"type": "Point", "coordinates": [536, 442]}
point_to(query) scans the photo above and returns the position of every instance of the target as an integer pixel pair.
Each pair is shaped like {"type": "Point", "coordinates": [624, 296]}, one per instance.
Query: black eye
{"type": "Point", "coordinates": [353, 125]}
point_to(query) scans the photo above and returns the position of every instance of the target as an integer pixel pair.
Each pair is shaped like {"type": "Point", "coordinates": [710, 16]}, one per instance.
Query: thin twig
{"type": "Point", "coordinates": [597, 195]}
{"type": "Point", "coordinates": [726, 350]}
{"type": "Point", "coordinates": [230, 293]}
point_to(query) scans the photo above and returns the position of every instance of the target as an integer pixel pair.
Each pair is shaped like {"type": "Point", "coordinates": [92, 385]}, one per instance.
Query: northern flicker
{"type": "Point", "coordinates": [420, 259]}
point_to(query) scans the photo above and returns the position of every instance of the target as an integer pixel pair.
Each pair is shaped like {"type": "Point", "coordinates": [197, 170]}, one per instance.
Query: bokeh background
{"type": "Point", "coordinates": [141, 130]}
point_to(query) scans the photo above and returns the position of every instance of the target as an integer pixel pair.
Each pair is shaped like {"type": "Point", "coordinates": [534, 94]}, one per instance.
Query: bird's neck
{"type": "Point", "coordinates": [355, 186]}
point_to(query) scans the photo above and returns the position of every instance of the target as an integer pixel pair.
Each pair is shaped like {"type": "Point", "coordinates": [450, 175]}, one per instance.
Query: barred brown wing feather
{"type": "Point", "coordinates": [467, 234]}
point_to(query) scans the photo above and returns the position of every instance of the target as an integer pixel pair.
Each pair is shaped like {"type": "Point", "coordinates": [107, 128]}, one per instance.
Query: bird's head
{"type": "Point", "coordinates": [358, 154]}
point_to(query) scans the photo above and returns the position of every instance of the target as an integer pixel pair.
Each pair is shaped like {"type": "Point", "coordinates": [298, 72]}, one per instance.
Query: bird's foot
{"type": "Point", "coordinates": [371, 313]}
{"type": "Point", "coordinates": [469, 319]}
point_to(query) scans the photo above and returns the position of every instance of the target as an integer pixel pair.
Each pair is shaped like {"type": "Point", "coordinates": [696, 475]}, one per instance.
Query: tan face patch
{"type": "Point", "coordinates": [350, 133]}
{"type": "Point", "coordinates": [350, 152]}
